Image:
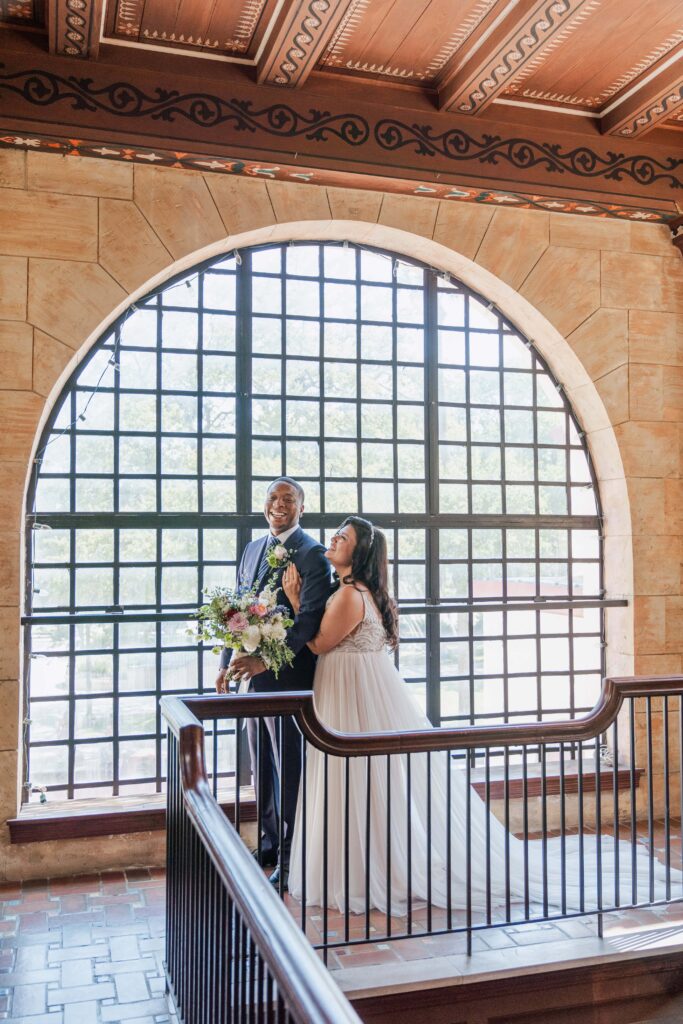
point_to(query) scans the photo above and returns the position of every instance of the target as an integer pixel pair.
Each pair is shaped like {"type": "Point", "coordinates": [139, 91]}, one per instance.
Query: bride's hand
{"type": "Point", "coordinates": [291, 584]}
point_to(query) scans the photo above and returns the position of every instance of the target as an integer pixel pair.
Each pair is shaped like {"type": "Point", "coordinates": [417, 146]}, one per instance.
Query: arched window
{"type": "Point", "coordinates": [385, 388]}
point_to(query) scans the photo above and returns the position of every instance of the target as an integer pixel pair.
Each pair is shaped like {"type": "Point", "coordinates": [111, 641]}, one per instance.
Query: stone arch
{"type": "Point", "coordinates": [562, 360]}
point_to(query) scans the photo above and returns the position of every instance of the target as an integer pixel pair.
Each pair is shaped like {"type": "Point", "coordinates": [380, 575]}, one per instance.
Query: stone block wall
{"type": "Point", "coordinates": [79, 237]}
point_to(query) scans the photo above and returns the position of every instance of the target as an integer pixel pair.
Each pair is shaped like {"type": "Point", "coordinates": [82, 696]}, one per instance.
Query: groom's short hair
{"type": "Point", "coordinates": [292, 483]}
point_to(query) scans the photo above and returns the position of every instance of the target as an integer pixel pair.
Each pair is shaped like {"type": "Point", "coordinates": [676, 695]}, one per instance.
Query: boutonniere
{"type": "Point", "coordinates": [279, 557]}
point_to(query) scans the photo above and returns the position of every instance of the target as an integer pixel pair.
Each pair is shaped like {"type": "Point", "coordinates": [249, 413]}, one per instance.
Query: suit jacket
{"type": "Point", "coordinates": [308, 555]}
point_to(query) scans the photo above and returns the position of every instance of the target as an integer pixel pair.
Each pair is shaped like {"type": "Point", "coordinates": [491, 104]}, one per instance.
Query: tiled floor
{"type": "Point", "coordinates": [84, 950]}
{"type": "Point", "coordinates": [88, 950]}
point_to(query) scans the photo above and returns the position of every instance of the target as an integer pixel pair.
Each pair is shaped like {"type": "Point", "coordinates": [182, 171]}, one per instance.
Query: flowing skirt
{"type": "Point", "coordinates": [414, 829]}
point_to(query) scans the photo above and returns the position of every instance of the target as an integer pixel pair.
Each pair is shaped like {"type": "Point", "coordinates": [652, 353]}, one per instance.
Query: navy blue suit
{"type": "Point", "coordinates": [308, 556]}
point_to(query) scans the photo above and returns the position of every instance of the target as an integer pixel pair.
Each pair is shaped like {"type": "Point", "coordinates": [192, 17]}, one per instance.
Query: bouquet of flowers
{"type": "Point", "coordinates": [246, 621]}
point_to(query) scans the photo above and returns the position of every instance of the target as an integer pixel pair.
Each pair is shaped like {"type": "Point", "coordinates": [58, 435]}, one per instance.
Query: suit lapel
{"type": "Point", "coordinates": [292, 544]}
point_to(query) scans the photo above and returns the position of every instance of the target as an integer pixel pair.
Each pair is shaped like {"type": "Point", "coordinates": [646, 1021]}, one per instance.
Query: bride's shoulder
{"type": "Point", "coordinates": [346, 598]}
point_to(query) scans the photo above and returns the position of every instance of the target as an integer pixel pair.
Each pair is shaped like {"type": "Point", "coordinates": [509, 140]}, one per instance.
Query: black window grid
{"type": "Point", "coordinates": [431, 597]}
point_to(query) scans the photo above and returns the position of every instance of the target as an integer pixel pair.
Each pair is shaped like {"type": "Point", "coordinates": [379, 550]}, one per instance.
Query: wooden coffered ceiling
{"type": "Point", "coordinates": [619, 62]}
{"type": "Point", "coordinates": [530, 94]}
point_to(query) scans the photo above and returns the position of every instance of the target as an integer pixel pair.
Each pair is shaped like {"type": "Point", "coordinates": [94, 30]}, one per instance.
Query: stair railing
{"type": "Point", "coordinates": [233, 952]}
{"type": "Point", "coordinates": [613, 774]}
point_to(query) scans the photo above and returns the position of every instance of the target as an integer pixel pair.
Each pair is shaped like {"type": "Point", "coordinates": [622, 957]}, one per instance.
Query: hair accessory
{"type": "Point", "coordinates": [372, 534]}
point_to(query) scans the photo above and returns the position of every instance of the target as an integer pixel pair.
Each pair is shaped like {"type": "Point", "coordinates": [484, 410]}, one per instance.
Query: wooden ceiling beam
{"type": "Point", "coordinates": [643, 110]}
{"type": "Point", "coordinates": [504, 44]}
{"type": "Point", "coordinates": [299, 37]}
{"type": "Point", "coordinates": [74, 27]}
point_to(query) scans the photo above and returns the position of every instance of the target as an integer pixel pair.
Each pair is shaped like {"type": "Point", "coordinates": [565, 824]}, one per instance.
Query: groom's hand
{"type": "Point", "coordinates": [244, 666]}
{"type": "Point", "coordinates": [222, 681]}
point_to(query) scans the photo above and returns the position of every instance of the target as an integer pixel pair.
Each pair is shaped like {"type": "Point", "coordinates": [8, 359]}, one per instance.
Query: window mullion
{"type": "Point", "coordinates": [243, 356]}
{"type": "Point", "coordinates": [431, 383]}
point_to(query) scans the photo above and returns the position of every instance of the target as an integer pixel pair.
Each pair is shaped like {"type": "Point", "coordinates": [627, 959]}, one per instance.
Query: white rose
{"type": "Point", "coordinates": [268, 598]}
{"type": "Point", "coordinates": [280, 552]}
{"type": "Point", "coordinates": [266, 629]}
{"type": "Point", "coordinates": [278, 631]}
{"type": "Point", "coordinates": [251, 638]}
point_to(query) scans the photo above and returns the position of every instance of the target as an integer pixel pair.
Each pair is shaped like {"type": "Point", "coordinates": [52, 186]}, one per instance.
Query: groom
{"type": "Point", "coordinates": [283, 509]}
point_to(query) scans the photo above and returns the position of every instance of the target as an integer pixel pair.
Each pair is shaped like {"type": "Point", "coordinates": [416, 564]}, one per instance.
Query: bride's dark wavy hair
{"type": "Point", "coordinates": [369, 565]}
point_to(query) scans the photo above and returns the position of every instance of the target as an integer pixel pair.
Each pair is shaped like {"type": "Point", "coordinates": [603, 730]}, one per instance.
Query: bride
{"type": "Point", "coordinates": [357, 689]}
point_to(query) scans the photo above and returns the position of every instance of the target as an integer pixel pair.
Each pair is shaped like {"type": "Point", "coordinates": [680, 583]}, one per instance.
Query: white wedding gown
{"type": "Point", "coordinates": [357, 689]}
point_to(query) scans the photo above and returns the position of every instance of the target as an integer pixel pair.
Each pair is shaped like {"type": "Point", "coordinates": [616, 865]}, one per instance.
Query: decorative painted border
{"type": "Point", "coordinates": [204, 110]}
{"type": "Point", "coordinates": [219, 165]}
{"type": "Point", "coordinates": [124, 101]}
{"type": "Point", "coordinates": [522, 154]}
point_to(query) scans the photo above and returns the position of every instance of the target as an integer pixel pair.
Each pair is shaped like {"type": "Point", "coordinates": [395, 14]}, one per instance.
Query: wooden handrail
{"type": "Point", "coordinates": [306, 986]}
{"type": "Point", "coordinates": [181, 711]}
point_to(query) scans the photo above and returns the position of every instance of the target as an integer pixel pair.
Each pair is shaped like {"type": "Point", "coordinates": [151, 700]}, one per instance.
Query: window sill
{"type": "Point", "coordinates": [69, 819]}
{"type": "Point", "coordinates": [552, 782]}
{"type": "Point", "coordinates": [125, 815]}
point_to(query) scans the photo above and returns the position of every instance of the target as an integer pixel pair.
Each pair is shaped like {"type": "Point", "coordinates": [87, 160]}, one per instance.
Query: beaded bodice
{"type": "Point", "coordinates": [368, 635]}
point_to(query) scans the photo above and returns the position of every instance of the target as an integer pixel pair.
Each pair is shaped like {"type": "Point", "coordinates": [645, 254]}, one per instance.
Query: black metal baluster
{"type": "Point", "coordinates": [251, 993]}
{"type": "Point", "coordinates": [258, 782]}
{"type": "Point", "coordinates": [260, 982]}
{"type": "Point", "coordinates": [667, 798]}
{"type": "Point", "coordinates": [429, 841]}
{"type": "Point", "coordinates": [215, 948]}
{"type": "Point", "coordinates": [582, 865]}
{"type": "Point", "coordinates": [281, 817]}
{"type": "Point", "coordinates": [680, 774]}
{"type": "Point", "coordinates": [388, 846]}
{"type": "Point", "coordinates": [193, 958]}
{"type": "Point", "coordinates": [244, 967]}
{"type": "Point", "coordinates": [409, 843]}
{"type": "Point", "coordinates": [326, 838]}
{"type": "Point", "coordinates": [598, 833]}
{"type": "Point", "coordinates": [506, 795]}
{"type": "Point", "coordinates": [346, 847]}
{"type": "Point", "coordinates": [368, 795]}
{"type": "Point", "coordinates": [236, 953]}
{"type": "Point", "coordinates": [223, 959]}
{"type": "Point", "coordinates": [650, 797]}
{"type": "Point", "coordinates": [525, 825]}
{"type": "Point", "coordinates": [171, 857]}
{"type": "Point", "coordinates": [563, 831]}
{"type": "Point", "coordinates": [615, 804]}
{"type": "Point", "coordinates": [269, 998]}
{"type": "Point", "coordinates": [304, 828]}
{"type": "Point", "coordinates": [183, 882]}
{"type": "Point", "coordinates": [468, 850]}
{"type": "Point", "coordinates": [632, 788]}
{"type": "Point", "coordinates": [544, 826]}
{"type": "Point", "coordinates": [487, 854]}
{"type": "Point", "coordinates": [449, 846]}
{"type": "Point", "coordinates": [214, 780]}
{"type": "Point", "coordinates": [203, 936]}
{"type": "Point", "coordinates": [238, 763]}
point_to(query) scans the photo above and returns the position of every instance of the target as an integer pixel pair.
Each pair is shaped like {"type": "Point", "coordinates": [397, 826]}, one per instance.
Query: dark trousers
{"type": "Point", "coordinates": [277, 773]}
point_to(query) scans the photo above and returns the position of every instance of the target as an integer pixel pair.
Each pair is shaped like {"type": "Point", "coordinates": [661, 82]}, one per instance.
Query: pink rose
{"type": "Point", "coordinates": [258, 609]}
{"type": "Point", "coordinates": [237, 622]}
